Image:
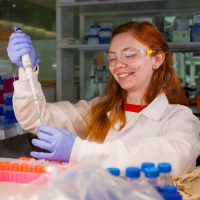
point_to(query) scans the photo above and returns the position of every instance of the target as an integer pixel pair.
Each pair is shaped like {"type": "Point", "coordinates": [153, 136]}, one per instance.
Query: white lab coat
{"type": "Point", "coordinates": [161, 132]}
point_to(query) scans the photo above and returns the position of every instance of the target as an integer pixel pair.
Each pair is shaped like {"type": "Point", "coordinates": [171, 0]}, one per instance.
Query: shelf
{"type": "Point", "coordinates": [130, 6]}
{"type": "Point", "coordinates": [86, 47]}
{"type": "Point", "coordinates": [174, 47]}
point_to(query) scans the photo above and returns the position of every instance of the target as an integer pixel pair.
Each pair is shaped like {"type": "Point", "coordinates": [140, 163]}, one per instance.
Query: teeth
{"type": "Point", "coordinates": [124, 75]}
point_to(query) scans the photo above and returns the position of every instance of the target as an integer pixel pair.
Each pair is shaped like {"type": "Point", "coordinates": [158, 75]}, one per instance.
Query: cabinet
{"type": "Point", "coordinates": [71, 17]}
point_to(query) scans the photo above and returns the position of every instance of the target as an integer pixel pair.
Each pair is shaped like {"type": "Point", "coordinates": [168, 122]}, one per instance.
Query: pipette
{"type": "Point", "coordinates": [27, 65]}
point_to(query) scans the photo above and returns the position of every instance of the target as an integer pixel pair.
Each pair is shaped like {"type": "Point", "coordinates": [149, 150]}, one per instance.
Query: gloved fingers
{"type": "Point", "coordinates": [23, 52]}
{"type": "Point", "coordinates": [27, 36]}
{"type": "Point", "coordinates": [13, 35]}
{"type": "Point", "coordinates": [47, 129]}
{"type": "Point", "coordinates": [41, 155]}
{"type": "Point", "coordinates": [42, 144]}
{"type": "Point", "coordinates": [44, 137]}
{"type": "Point", "coordinates": [18, 40]}
{"type": "Point", "coordinates": [20, 46]}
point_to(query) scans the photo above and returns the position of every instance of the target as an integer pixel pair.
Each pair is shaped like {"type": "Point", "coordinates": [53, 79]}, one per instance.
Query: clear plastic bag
{"type": "Point", "coordinates": [89, 181]}
{"type": "Point", "coordinates": [86, 181]}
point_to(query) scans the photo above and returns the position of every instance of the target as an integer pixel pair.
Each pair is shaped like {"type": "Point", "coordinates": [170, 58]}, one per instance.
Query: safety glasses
{"type": "Point", "coordinates": [128, 56]}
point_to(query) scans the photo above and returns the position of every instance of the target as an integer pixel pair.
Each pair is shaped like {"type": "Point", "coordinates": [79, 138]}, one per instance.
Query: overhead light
{"type": "Point", "coordinates": [54, 65]}
{"type": "Point", "coordinates": [14, 5]}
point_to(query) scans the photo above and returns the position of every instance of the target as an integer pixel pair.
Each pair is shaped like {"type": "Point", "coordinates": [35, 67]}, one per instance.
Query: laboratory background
{"type": "Point", "coordinates": [71, 38]}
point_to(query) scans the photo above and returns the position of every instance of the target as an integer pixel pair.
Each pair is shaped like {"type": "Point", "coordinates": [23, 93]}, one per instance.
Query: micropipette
{"type": "Point", "coordinates": [27, 65]}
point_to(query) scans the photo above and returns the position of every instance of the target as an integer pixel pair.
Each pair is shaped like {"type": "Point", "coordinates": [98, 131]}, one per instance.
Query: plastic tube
{"type": "Point", "coordinates": [27, 65]}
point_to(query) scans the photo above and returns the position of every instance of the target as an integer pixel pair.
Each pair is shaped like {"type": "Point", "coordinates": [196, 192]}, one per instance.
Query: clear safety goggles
{"type": "Point", "coordinates": [128, 56]}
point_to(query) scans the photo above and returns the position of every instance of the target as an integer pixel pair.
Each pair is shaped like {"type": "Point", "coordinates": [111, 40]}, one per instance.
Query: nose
{"type": "Point", "coordinates": [119, 64]}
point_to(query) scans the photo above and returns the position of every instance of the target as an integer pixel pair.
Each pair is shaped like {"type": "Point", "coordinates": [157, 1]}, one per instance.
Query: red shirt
{"type": "Point", "coordinates": [133, 107]}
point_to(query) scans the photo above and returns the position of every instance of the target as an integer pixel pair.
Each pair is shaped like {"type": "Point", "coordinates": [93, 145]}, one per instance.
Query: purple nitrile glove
{"type": "Point", "coordinates": [19, 45]}
{"type": "Point", "coordinates": [58, 141]}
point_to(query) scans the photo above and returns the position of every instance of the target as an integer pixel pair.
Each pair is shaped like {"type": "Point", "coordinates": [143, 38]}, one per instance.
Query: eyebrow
{"type": "Point", "coordinates": [128, 48]}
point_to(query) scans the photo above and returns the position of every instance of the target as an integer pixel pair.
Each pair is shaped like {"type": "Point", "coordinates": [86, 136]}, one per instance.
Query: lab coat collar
{"type": "Point", "coordinates": [153, 111]}
{"type": "Point", "coordinates": [156, 108]}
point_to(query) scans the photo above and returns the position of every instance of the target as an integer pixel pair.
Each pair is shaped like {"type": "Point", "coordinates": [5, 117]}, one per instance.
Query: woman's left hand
{"type": "Point", "coordinates": [59, 142]}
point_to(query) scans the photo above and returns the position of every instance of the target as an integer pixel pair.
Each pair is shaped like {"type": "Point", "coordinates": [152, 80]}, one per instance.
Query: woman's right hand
{"type": "Point", "coordinates": [19, 45]}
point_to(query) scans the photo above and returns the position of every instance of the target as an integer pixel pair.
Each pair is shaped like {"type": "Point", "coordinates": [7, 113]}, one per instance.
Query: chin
{"type": "Point", "coordinates": [127, 87]}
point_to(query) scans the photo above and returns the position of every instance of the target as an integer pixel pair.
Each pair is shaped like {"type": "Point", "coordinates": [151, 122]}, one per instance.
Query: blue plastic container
{"type": "Point", "coordinates": [152, 174]}
{"type": "Point", "coordinates": [9, 113]}
{"type": "Point", "coordinates": [105, 40]}
{"type": "Point", "coordinates": [114, 171]}
{"type": "Point", "coordinates": [170, 193]}
{"type": "Point", "coordinates": [195, 33]}
{"type": "Point", "coordinates": [132, 172]}
{"type": "Point", "coordinates": [8, 99]}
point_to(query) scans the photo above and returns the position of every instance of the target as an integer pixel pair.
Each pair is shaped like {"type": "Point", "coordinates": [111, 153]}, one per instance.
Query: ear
{"type": "Point", "coordinates": [159, 59]}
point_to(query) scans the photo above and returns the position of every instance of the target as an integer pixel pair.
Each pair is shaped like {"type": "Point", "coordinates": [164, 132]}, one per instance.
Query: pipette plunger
{"type": "Point", "coordinates": [27, 65]}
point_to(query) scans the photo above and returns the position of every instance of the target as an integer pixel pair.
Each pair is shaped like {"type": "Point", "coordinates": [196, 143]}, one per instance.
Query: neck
{"type": "Point", "coordinates": [135, 98]}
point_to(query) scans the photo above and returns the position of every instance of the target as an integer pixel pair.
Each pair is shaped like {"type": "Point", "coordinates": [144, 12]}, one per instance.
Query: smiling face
{"type": "Point", "coordinates": [136, 76]}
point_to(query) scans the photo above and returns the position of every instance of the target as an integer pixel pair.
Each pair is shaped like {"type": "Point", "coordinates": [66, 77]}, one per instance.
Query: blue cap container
{"type": "Point", "coordinates": [151, 172]}
{"type": "Point", "coordinates": [144, 165]}
{"type": "Point", "coordinates": [170, 193]}
{"type": "Point", "coordinates": [165, 167]}
{"type": "Point", "coordinates": [132, 172]}
{"type": "Point", "coordinates": [114, 171]}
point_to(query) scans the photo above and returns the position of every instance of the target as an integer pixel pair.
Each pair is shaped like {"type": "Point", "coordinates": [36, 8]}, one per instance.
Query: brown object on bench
{"type": "Point", "coordinates": [188, 184]}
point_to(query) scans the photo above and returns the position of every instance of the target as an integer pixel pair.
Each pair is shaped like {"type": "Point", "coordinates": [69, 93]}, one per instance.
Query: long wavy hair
{"type": "Point", "coordinates": [113, 98]}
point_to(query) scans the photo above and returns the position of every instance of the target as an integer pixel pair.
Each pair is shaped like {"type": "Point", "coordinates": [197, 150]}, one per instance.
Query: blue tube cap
{"type": "Point", "coordinates": [132, 172]}
{"type": "Point", "coordinates": [114, 171]}
{"type": "Point", "coordinates": [144, 165]}
{"type": "Point", "coordinates": [170, 189]}
{"type": "Point", "coordinates": [165, 167]}
{"type": "Point", "coordinates": [151, 172]}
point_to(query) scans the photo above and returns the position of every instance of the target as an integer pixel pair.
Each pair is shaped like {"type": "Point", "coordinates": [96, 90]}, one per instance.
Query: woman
{"type": "Point", "coordinates": [137, 119]}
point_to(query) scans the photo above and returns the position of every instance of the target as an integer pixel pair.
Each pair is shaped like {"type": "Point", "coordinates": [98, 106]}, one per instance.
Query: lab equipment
{"type": "Point", "coordinates": [96, 80]}
{"type": "Point", "coordinates": [27, 65]}
{"type": "Point", "coordinates": [195, 32]}
{"type": "Point", "coordinates": [114, 171]}
{"type": "Point", "coordinates": [128, 56]}
{"type": "Point", "coordinates": [170, 193]}
{"type": "Point", "coordinates": [164, 177]}
{"type": "Point", "coordinates": [111, 26]}
{"type": "Point", "coordinates": [8, 98]}
{"type": "Point", "coordinates": [25, 170]}
{"type": "Point", "coordinates": [196, 19]}
{"type": "Point", "coordinates": [104, 78]}
{"type": "Point", "coordinates": [93, 39]}
{"type": "Point", "coordinates": [8, 80]}
{"type": "Point", "coordinates": [97, 77]}
{"type": "Point", "coordinates": [59, 142]}
{"type": "Point", "coordinates": [9, 113]}
{"type": "Point", "coordinates": [143, 166]}
{"type": "Point", "coordinates": [1, 91]}
{"type": "Point", "coordinates": [94, 30]}
{"type": "Point", "coordinates": [94, 182]}
{"type": "Point", "coordinates": [160, 19]}
{"type": "Point", "coordinates": [105, 35]}
{"type": "Point", "coordinates": [133, 174]}
{"type": "Point", "coordinates": [181, 36]}
{"type": "Point", "coordinates": [20, 44]}
{"type": "Point", "coordinates": [152, 174]}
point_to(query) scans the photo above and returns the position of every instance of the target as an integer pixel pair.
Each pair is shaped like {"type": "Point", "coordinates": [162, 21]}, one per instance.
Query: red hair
{"type": "Point", "coordinates": [113, 98]}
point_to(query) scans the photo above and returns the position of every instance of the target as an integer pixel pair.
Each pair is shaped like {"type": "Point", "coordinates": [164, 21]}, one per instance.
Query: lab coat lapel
{"type": "Point", "coordinates": [153, 111]}
{"type": "Point", "coordinates": [156, 108]}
